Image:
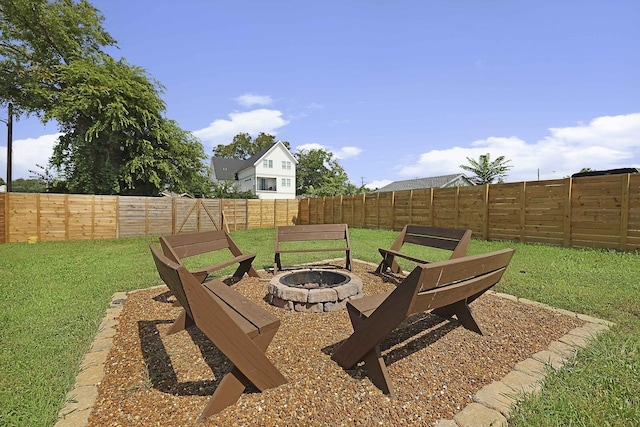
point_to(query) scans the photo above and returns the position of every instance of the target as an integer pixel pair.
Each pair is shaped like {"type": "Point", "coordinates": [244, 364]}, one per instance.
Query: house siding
{"type": "Point", "coordinates": [275, 174]}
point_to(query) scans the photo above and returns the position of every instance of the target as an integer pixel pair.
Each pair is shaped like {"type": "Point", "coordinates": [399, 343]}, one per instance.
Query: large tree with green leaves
{"type": "Point", "coordinates": [244, 146]}
{"type": "Point", "coordinates": [116, 139]}
{"type": "Point", "coordinates": [486, 171]}
{"type": "Point", "coordinates": [318, 173]}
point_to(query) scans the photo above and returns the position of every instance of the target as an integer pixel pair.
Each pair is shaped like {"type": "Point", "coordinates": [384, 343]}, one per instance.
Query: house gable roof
{"type": "Point", "coordinates": [443, 181]}
{"type": "Point", "coordinates": [226, 168]}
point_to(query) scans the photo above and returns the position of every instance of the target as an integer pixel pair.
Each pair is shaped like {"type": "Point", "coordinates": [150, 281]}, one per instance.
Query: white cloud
{"type": "Point", "coordinates": [347, 152]}
{"type": "Point", "coordinates": [620, 131]}
{"type": "Point", "coordinates": [378, 184]}
{"type": "Point", "coordinates": [26, 153]}
{"type": "Point", "coordinates": [340, 153]}
{"type": "Point", "coordinates": [252, 122]}
{"type": "Point", "coordinates": [606, 142]}
{"type": "Point", "coordinates": [250, 99]}
{"type": "Point", "coordinates": [312, 146]}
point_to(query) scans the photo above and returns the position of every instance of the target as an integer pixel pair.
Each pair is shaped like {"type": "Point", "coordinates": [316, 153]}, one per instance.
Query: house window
{"type": "Point", "coordinates": [267, 184]}
{"type": "Point", "coordinates": [267, 164]}
{"type": "Point", "coordinates": [286, 165]}
{"type": "Point", "coordinates": [286, 182]}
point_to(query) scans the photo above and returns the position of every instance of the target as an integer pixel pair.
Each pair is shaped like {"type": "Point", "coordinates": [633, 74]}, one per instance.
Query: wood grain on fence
{"type": "Point", "coordinates": [29, 217]}
{"type": "Point", "coordinates": [597, 211]}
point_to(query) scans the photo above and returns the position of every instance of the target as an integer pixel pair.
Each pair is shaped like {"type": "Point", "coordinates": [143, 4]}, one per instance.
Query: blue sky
{"type": "Point", "coordinates": [395, 89]}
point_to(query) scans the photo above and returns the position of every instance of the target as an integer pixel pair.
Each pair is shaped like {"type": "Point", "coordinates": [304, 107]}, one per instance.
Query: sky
{"type": "Point", "coordinates": [396, 90]}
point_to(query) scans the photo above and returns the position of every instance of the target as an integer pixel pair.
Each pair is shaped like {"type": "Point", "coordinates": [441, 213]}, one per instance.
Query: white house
{"type": "Point", "coordinates": [269, 174]}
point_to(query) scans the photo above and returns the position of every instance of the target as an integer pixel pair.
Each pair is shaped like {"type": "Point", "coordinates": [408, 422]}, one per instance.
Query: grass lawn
{"type": "Point", "coordinates": [54, 295]}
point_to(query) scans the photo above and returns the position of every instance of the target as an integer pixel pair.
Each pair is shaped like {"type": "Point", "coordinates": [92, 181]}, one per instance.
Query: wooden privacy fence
{"type": "Point", "coordinates": [31, 217]}
{"type": "Point", "coordinates": [598, 211]}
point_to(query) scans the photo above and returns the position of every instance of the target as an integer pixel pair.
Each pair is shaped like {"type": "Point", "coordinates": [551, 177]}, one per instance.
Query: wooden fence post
{"type": "Point", "coordinates": [485, 230]}
{"type": "Point", "coordinates": [523, 208]}
{"type": "Point", "coordinates": [457, 207]}
{"type": "Point", "coordinates": [393, 210]}
{"type": "Point", "coordinates": [431, 210]}
{"type": "Point", "coordinates": [567, 214]}
{"type": "Point", "coordinates": [624, 211]}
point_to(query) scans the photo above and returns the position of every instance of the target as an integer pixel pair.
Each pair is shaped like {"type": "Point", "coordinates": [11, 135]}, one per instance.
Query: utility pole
{"type": "Point", "coordinates": [9, 123]}
{"type": "Point", "coordinates": [9, 146]}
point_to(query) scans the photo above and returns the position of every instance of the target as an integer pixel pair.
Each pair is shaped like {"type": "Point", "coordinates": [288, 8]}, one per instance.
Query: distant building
{"type": "Point", "coordinates": [269, 174]}
{"type": "Point", "coordinates": [606, 172]}
{"type": "Point", "coordinates": [444, 181]}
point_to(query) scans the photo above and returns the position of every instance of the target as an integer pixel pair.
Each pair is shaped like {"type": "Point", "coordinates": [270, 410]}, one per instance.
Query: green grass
{"type": "Point", "coordinates": [53, 296]}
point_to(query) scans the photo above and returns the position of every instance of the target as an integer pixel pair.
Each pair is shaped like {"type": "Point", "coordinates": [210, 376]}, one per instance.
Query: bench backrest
{"type": "Point", "coordinates": [452, 239]}
{"type": "Point", "coordinates": [456, 279]}
{"type": "Point", "coordinates": [291, 233]}
{"type": "Point", "coordinates": [435, 285]}
{"type": "Point", "coordinates": [192, 244]}
{"type": "Point", "coordinates": [169, 271]}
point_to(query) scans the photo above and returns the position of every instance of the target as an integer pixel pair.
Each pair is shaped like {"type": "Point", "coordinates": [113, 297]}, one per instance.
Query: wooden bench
{"type": "Point", "coordinates": [312, 233]}
{"type": "Point", "coordinates": [452, 239]}
{"type": "Point", "coordinates": [238, 327]}
{"type": "Point", "coordinates": [446, 288]}
{"type": "Point", "coordinates": [182, 246]}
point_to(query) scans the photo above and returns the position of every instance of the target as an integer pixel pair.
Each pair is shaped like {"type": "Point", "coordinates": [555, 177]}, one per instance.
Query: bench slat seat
{"type": "Point", "coordinates": [444, 288]}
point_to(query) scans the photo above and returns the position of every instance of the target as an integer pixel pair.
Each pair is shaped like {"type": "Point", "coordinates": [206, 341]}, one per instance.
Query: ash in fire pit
{"type": "Point", "coordinates": [314, 290]}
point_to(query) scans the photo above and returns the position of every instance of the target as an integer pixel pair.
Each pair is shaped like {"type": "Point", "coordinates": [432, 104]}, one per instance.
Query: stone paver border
{"type": "Point", "coordinates": [491, 405]}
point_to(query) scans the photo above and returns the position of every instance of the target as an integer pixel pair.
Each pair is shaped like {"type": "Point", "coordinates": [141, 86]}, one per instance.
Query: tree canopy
{"type": "Point", "coordinates": [244, 146]}
{"type": "Point", "coordinates": [115, 136]}
{"type": "Point", "coordinates": [319, 174]}
{"type": "Point", "coordinates": [486, 171]}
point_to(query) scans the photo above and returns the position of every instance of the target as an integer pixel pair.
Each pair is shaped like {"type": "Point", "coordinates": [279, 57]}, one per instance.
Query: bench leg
{"type": "Point", "coordinates": [234, 382]}
{"type": "Point", "coordinates": [388, 261]}
{"type": "Point", "coordinates": [245, 267]}
{"type": "Point", "coordinates": [382, 267]}
{"type": "Point", "coordinates": [201, 276]}
{"type": "Point", "coordinates": [181, 323]}
{"type": "Point", "coordinates": [377, 371]}
{"type": "Point", "coordinates": [277, 264]}
{"type": "Point", "coordinates": [462, 312]}
{"type": "Point", "coordinates": [373, 361]}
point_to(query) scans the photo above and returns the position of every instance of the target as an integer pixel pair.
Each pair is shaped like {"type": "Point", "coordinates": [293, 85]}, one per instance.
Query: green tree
{"type": "Point", "coordinates": [116, 139]}
{"type": "Point", "coordinates": [49, 180]}
{"type": "Point", "coordinates": [30, 185]}
{"type": "Point", "coordinates": [486, 171]}
{"type": "Point", "coordinates": [243, 146]}
{"type": "Point", "coordinates": [319, 174]}
{"type": "Point", "coordinates": [229, 189]}
{"type": "Point", "coordinates": [37, 39]}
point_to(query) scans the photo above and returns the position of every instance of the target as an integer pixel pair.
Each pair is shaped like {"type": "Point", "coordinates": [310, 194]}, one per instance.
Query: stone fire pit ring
{"type": "Point", "coordinates": [314, 290]}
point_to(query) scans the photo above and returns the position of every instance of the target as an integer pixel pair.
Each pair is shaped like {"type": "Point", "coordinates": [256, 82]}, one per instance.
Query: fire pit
{"type": "Point", "coordinates": [314, 290]}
